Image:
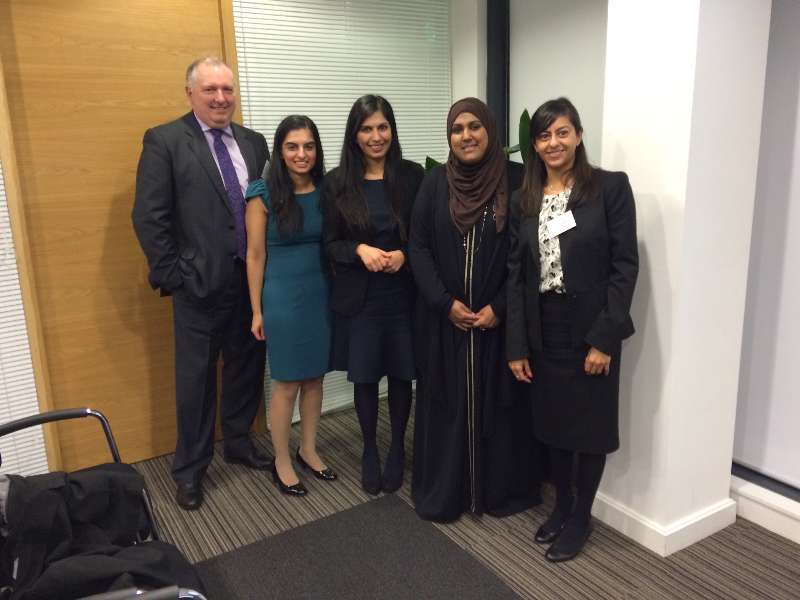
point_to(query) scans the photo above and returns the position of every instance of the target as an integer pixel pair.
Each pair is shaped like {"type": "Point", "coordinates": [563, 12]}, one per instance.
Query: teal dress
{"type": "Point", "coordinates": [294, 299]}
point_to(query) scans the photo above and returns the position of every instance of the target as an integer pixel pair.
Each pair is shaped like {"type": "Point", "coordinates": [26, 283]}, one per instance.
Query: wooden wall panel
{"type": "Point", "coordinates": [85, 78]}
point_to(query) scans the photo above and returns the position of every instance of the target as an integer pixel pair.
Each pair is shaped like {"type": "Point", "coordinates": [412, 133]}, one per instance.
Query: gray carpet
{"type": "Point", "coordinates": [743, 561]}
{"type": "Point", "coordinates": [379, 549]}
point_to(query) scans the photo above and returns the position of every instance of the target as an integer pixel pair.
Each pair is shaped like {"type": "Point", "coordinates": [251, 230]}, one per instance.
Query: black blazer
{"type": "Point", "coordinates": [181, 214]}
{"type": "Point", "coordinates": [600, 260]}
{"type": "Point", "coordinates": [342, 238]}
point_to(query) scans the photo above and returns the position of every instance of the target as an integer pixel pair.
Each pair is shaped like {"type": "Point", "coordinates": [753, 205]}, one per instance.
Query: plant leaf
{"type": "Point", "coordinates": [430, 163]}
{"type": "Point", "coordinates": [525, 135]}
{"type": "Point", "coordinates": [511, 149]}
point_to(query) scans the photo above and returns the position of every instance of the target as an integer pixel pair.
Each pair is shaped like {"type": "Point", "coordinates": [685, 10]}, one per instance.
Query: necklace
{"type": "Point", "coordinates": [557, 189]}
{"type": "Point", "coordinates": [483, 224]}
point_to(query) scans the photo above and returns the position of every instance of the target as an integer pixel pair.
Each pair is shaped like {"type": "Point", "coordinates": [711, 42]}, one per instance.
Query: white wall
{"type": "Point", "coordinates": [768, 416]}
{"type": "Point", "coordinates": [683, 99]}
{"type": "Point", "coordinates": [468, 49]}
{"type": "Point", "coordinates": [558, 48]}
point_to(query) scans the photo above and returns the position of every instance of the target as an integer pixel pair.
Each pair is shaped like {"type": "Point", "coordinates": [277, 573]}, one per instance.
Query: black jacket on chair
{"type": "Point", "coordinates": [600, 260]}
{"type": "Point", "coordinates": [341, 239]}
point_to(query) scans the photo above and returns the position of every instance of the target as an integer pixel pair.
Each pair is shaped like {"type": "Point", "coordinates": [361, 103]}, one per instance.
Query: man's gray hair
{"type": "Point", "coordinates": [211, 61]}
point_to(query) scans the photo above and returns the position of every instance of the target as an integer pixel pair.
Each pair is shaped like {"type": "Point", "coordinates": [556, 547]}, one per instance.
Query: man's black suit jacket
{"type": "Point", "coordinates": [181, 214]}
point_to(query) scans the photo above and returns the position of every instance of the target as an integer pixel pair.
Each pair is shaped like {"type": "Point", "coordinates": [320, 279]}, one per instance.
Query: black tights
{"type": "Point", "coordinates": [366, 401]}
{"type": "Point", "coordinates": [587, 480]}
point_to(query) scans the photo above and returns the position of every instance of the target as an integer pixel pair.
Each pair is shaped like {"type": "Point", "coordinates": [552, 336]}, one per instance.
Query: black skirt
{"type": "Point", "coordinates": [377, 341]}
{"type": "Point", "coordinates": [572, 410]}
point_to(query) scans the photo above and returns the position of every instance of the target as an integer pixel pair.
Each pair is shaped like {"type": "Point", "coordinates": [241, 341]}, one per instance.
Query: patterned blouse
{"type": "Point", "coordinates": [551, 276]}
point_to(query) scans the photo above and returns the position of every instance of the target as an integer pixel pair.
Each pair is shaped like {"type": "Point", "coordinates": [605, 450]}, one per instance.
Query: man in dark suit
{"type": "Point", "coordinates": [189, 218]}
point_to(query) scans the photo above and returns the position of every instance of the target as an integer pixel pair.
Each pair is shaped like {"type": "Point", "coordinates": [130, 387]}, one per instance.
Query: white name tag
{"type": "Point", "coordinates": [559, 225]}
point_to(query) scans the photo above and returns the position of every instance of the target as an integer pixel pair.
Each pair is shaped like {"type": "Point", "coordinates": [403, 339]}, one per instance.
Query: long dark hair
{"type": "Point", "coordinates": [281, 187]}
{"type": "Point", "coordinates": [350, 200]}
{"type": "Point", "coordinates": [535, 170]}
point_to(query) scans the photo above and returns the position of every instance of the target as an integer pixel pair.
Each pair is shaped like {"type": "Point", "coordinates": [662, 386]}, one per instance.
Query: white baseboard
{"type": "Point", "coordinates": [761, 506]}
{"type": "Point", "coordinates": [665, 539]}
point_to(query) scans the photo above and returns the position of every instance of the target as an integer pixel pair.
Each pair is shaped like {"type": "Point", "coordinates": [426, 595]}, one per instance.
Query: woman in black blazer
{"type": "Point", "coordinates": [367, 204]}
{"type": "Point", "coordinates": [572, 271]}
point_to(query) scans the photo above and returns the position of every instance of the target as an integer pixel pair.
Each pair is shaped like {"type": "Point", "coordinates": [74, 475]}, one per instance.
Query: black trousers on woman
{"type": "Point", "coordinates": [576, 476]}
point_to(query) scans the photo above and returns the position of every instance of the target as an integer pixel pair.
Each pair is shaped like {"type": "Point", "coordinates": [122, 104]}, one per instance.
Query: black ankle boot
{"type": "Point", "coordinates": [371, 471]}
{"type": "Point", "coordinates": [393, 470]}
{"type": "Point", "coordinates": [571, 540]}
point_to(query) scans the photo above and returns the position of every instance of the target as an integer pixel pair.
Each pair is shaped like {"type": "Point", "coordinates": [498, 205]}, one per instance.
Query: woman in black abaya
{"type": "Point", "coordinates": [473, 446]}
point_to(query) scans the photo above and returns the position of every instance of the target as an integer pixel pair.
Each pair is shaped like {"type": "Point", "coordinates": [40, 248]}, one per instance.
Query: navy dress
{"type": "Point", "coordinates": [297, 317]}
{"type": "Point", "coordinates": [377, 340]}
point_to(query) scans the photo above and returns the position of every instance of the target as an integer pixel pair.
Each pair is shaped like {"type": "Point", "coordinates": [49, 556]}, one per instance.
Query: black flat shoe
{"type": "Point", "coordinates": [570, 543]}
{"type": "Point", "coordinates": [371, 473]}
{"type": "Point", "coordinates": [326, 474]}
{"type": "Point", "coordinates": [189, 496]}
{"type": "Point", "coordinates": [392, 478]}
{"type": "Point", "coordinates": [298, 489]}
{"type": "Point", "coordinates": [253, 460]}
{"type": "Point", "coordinates": [551, 528]}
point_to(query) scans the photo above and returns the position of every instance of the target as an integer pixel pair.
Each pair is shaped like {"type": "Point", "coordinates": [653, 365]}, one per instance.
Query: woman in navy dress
{"type": "Point", "coordinates": [367, 204]}
{"type": "Point", "coordinates": [290, 298]}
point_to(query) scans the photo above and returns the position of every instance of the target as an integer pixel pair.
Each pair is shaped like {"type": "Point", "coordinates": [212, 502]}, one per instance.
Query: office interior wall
{"type": "Point", "coordinates": [558, 48]}
{"type": "Point", "coordinates": [468, 48]}
{"type": "Point", "coordinates": [84, 81]}
{"type": "Point", "coordinates": [768, 414]}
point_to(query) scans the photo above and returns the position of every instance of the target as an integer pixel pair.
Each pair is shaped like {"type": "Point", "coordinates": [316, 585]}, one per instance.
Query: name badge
{"type": "Point", "coordinates": [559, 225]}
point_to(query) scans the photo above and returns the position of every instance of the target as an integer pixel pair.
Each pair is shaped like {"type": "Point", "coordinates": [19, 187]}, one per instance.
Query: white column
{"type": "Point", "coordinates": [468, 48]}
{"type": "Point", "coordinates": [682, 116]}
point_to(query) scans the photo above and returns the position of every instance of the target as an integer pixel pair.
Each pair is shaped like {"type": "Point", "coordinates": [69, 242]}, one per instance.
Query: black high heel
{"type": "Point", "coordinates": [298, 489]}
{"type": "Point", "coordinates": [326, 474]}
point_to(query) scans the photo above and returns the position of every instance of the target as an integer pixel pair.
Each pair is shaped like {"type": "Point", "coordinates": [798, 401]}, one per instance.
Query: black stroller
{"type": "Point", "coordinates": [81, 534]}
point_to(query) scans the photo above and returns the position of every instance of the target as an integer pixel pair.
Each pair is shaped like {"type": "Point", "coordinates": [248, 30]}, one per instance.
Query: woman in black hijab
{"type": "Point", "coordinates": [473, 448]}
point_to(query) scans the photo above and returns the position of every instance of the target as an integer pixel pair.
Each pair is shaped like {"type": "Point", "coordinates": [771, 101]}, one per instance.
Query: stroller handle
{"type": "Point", "coordinates": [168, 593]}
{"type": "Point", "coordinates": [63, 415]}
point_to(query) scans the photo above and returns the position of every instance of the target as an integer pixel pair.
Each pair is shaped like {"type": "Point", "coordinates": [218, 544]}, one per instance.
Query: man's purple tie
{"type": "Point", "coordinates": [232, 186]}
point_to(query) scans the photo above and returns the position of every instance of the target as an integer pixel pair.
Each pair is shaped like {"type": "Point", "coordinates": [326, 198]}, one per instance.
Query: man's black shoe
{"type": "Point", "coordinates": [253, 459]}
{"type": "Point", "coordinates": [189, 496]}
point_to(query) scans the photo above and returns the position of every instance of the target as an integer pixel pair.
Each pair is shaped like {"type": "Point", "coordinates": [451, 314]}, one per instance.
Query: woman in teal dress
{"type": "Point", "coordinates": [289, 297]}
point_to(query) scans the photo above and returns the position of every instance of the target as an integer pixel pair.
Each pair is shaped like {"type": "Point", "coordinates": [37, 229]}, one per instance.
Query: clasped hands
{"type": "Point", "coordinates": [464, 319]}
{"type": "Point", "coordinates": [597, 362]}
{"type": "Point", "coordinates": [377, 260]}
